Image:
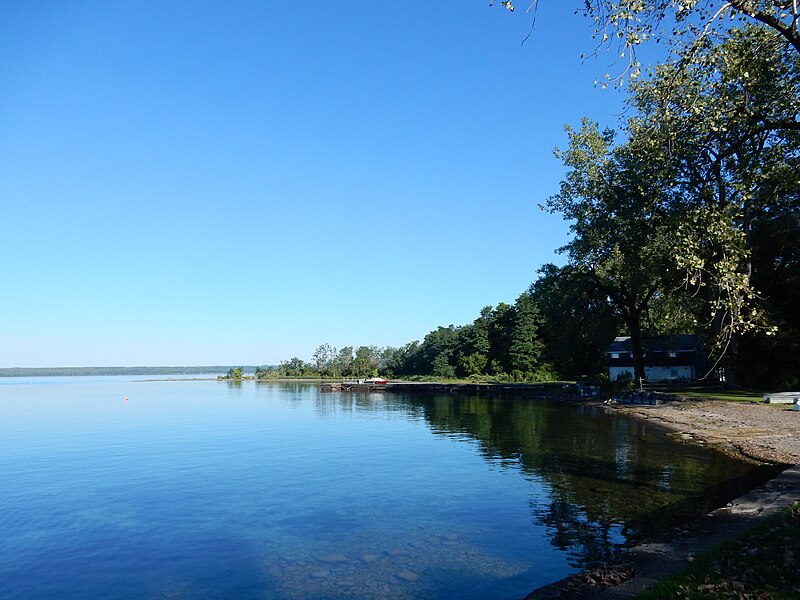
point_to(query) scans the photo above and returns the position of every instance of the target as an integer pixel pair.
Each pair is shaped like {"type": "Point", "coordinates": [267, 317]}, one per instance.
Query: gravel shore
{"type": "Point", "coordinates": [763, 433]}
{"type": "Point", "coordinates": [767, 433]}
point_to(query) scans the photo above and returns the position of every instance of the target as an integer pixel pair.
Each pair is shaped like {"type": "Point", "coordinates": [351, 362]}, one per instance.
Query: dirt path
{"type": "Point", "coordinates": [763, 432]}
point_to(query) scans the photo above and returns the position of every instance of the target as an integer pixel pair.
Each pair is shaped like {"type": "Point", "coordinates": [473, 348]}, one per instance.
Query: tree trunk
{"type": "Point", "coordinates": [638, 353]}
{"type": "Point", "coordinates": [731, 362]}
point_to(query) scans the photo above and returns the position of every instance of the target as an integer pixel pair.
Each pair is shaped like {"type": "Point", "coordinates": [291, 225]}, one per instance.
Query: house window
{"type": "Point", "coordinates": [615, 355]}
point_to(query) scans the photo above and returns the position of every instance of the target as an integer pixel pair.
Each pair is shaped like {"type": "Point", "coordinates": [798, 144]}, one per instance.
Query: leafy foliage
{"type": "Point", "coordinates": [503, 343]}
{"type": "Point", "coordinates": [577, 322]}
{"type": "Point", "coordinates": [664, 223]}
{"type": "Point", "coordinates": [233, 373]}
{"type": "Point", "coordinates": [687, 26]}
{"type": "Point", "coordinates": [726, 130]}
{"type": "Point", "coordinates": [622, 244]}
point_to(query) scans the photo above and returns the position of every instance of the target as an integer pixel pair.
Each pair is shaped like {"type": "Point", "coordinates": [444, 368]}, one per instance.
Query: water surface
{"type": "Point", "coordinates": [120, 487]}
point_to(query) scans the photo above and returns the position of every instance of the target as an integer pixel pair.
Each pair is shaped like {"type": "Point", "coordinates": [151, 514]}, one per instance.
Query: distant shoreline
{"type": "Point", "coordinates": [103, 371]}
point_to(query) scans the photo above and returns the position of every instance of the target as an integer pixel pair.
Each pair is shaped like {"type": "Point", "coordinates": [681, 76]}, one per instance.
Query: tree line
{"type": "Point", "coordinates": [502, 343]}
{"type": "Point", "coordinates": [685, 216]}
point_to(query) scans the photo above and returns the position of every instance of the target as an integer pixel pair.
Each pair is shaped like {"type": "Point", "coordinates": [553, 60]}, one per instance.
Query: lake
{"type": "Point", "coordinates": [124, 487]}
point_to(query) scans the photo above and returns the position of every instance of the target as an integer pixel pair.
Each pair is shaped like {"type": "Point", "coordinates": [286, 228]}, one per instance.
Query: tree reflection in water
{"type": "Point", "coordinates": [610, 479]}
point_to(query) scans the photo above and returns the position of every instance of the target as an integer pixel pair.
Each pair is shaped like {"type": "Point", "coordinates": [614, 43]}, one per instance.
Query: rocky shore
{"type": "Point", "coordinates": [761, 433]}
{"type": "Point", "coordinates": [765, 433]}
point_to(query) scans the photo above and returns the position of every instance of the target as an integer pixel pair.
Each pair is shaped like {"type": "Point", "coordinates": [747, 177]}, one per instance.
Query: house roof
{"type": "Point", "coordinates": [682, 342]}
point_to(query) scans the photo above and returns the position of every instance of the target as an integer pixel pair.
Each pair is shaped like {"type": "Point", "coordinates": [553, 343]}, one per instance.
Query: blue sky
{"type": "Point", "coordinates": [192, 183]}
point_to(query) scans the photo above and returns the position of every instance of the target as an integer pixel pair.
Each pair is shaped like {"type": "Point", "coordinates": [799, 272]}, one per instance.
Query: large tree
{"type": "Point", "coordinates": [622, 236]}
{"type": "Point", "coordinates": [324, 360]}
{"type": "Point", "coordinates": [472, 353]}
{"type": "Point", "coordinates": [727, 131]}
{"type": "Point", "coordinates": [774, 361]}
{"type": "Point", "coordinates": [344, 361]}
{"type": "Point", "coordinates": [526, 348]}
{"type": "Point", "coordinates": [437, 352]}
{"type": "Point", "coordinates": [366, 361]}
{"type": "Point", "coordinates": [577, 322]}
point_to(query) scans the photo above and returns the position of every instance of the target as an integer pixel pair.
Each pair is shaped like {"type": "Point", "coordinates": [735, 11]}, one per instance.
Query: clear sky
{"type": "Point", "coordinates": [191, 183]}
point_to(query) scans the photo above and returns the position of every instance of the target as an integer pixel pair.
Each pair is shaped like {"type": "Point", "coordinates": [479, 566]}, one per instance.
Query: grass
{"type": "Point", "coordinates": [762, 564]}
{"type": "Point", "coordinates": [714, 392]}
{"type": "Point", "coordinates": [734, 396]}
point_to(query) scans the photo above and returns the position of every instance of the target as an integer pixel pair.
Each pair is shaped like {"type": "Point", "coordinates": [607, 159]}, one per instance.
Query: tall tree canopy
{"type": "Point", "coordinates": [726, 131]}
{"type": "Point", "coordinates": [623, 232]}
{"type": "Point", "coordinates": [577, 322]}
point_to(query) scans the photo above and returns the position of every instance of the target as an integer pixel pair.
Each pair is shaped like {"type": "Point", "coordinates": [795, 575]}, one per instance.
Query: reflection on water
{"type": "Point", "coordinates": [213, 489]}
{"type": "Point", "coordinates": [610, 480]}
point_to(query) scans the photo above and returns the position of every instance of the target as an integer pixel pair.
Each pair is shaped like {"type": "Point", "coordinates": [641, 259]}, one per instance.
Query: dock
{"type": "Point", "coordinates": [525, 390]}
{"type": "Point", "coordinates": [352, 386]}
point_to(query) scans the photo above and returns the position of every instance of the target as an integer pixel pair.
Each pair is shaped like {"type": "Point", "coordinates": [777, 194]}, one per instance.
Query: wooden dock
{"type": "Point", "coordinates": [351, 386]}
{"type": "Point", "coordinates": [528, 390]}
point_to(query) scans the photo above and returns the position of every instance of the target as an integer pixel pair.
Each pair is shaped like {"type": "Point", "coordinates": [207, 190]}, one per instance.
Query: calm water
{"type": "Point", "coordinates": [205, 489]}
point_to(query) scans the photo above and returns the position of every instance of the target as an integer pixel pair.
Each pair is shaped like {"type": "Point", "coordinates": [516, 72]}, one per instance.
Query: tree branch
{"type": "Point", "coordinates": [787, 31]}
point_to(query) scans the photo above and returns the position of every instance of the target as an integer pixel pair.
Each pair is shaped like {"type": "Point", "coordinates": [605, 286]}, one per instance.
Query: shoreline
{"type": "Point", "coordinates": [644, 565]}
{"type": "Point", "coordinates": [759, 433]}
{"type": "Point", "coordinates": [756, 432]}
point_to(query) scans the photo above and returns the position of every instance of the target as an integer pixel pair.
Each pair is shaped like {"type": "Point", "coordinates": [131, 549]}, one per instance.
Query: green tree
{"type": "Point", "coordinates": [404, 361]}
{"type": "Point", "coordinates": [344, 361]}
{"type": "Point", "coordinates": [437, 352]}
{"type": "Point", "coordinates": [391, 361]}
{"type": "Point", "coordinates": [613, 197]}
{"type": "Point", "coordinates": [294, 367]}
{"type": "Point", "coordinates": [688, 26]}
{"type": "Point", "coordinates": [265, 372]}
{"type": "Point", "coordinates": [234, 373]}
{"type": "Point", "coordinates": [472, 351]}
{"type": "Point", "coordinates": [727, 129]}
{"type": "Point", "coordinates": [366, 361]}
{"type": "Point", "coordinates": [477, 337]}
{"type": "Point", "coordinates": [774, 361]}
{"type": "Point", "coordinates": [441, 366]}
{"type": "Point", "coordinates": [471, 365]}
{"type": "Point", "coordinates": [324, 360]}
{"type": "Point", "coordinates": [501, 328]}
{"type": "Point", "coordinates": [526, 346]}
{"type": "Point", "coordinates": [578, 323]}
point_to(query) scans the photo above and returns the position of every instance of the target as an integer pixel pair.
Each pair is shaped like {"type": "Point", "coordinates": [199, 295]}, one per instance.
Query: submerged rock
{"type": "Point", "coordinates": [333, 558]}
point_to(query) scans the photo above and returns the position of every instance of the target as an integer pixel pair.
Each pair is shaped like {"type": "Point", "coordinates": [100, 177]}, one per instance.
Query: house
{"type": "Point", "coordinates": [667, 358]}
